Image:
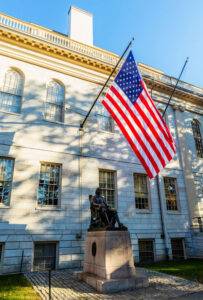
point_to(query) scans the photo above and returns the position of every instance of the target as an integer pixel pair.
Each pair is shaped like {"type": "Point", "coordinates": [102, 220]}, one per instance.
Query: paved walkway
{"type": "Point", "coordinates": [65, 286]}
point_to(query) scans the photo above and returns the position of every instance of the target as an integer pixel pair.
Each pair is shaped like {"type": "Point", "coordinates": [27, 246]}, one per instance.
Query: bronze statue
{"type": "Point", "coordinates": [102, 215]}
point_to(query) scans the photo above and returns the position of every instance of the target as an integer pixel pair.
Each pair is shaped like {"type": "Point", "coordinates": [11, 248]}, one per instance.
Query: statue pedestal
{"type": "Point", "coordinates": [108, 262]}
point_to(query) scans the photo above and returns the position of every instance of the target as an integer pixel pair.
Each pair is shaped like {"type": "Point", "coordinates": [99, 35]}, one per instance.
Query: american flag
{"type": "Point", "coordinates": [130, 105]}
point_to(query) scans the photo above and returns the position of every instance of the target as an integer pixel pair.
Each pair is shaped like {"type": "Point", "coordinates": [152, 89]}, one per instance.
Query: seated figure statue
{"type": "Point", "coordinates": [102, 215]}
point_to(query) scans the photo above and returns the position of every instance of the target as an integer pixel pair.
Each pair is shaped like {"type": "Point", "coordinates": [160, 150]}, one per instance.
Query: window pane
{"type": "Point", "coordinates": [105, 121]}
{"type": "Point", "coordinates": [197, 137]}
{"type": "Point", "coordinates": [177, 248]}
{"type": "Point", "coordinates": [44, 256]}
{"type": "Point", "coordinates": [170, 193]}
{"type": "Point", "coordinates": [55, 101]}
{"type": "Point", "coordinates": [107, 186]}
{"type": "Point", "coordinates": [6, 174]}
{"type": "Point", "coordinates": [13, 82]}
{"type": "Point", "coordinates": [1, 252]}
{"type": "Point", "coordinates": [146, 250]}
{"type": "Point", "coordinates": [141, 191]}
{"type": "Point", "coordinates": [11, 93]}
{"type": "Point", "coordinates": [49, 184]}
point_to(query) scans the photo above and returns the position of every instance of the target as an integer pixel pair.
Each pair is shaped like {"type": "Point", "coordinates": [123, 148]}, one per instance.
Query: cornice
{"type": "Point", "coordinates": [155, 79]}
{"type": "Point", "coordinates": [46, 48]}
{"type": "Point", "coordinates": [50, 63]}
{"type": "Point", "coordinates": [160, 86]}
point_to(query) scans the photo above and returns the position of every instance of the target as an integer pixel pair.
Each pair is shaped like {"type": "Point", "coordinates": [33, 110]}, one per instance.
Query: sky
{"type": "Point", "coordinates": [165, 31]}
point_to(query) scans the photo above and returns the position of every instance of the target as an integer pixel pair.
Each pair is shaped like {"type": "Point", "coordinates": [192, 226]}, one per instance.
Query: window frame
{"type": "Point", "coordinates": [50, 206]}
{"type": "Point", "coordinates": [182, 239]}
{"type": "Point", "coordinates": [178, 210]}
{"type": "Point", "coordinates": [153, 245]}
{"type": "Point", "coordinates": [2, 245]}
{"type": "Point", "coordinates": [143, 210]}
{"type": "Point", "coordinates": [11, 93]}
{"type": "Point", "coordinates": [101, 116]}
{"type": "Point", "coordinates": [2, 204]}
{"type": "Point", "coordinates": [115, 184]}
{"type": "Point", "coordinates": [112, 124]}
{"type": "Point", "coordinates": [197, 136]}
{"type": "Point", "coordinates": [46, 242]}
{"type": "Point", "coordinates": [62, 106]}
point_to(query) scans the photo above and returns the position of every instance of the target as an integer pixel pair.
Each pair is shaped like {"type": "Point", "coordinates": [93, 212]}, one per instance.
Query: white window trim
{"type": "Point", "coordinates": [183, 244]}
{"type": "Point", "coordinates": [2, 253]}
{"type": "Point", "coordinates": [143, 211]}
{"type": "Point", "coordinates": [46, 242]}
{"type": "Point", "coordinates": [2, 205]}
{"type": "Point", "coordinates": [115, 182]}
{"type": "Point", "coordinates": [200, 129]}
{"type": "Point", "coordinates": [47, 206]}
{"type": "Point", "coordinates": [63, 105]}
{"type": "Point", "coordinates": [154, 246]}
{"type": "Point", "coordinates": [22, 92]}
{"type": "Point", "coordinates": [171, 212]}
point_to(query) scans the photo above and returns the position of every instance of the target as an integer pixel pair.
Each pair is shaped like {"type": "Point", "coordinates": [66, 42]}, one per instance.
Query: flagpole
{"type": "Point", "coordinates": [85, 119]}
{"type": "Point", "coordinates": [186, 61]}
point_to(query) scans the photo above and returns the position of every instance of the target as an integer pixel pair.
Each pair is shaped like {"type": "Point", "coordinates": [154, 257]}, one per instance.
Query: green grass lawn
{"type": "Point", "coordinates": [190, 269]}
{"type": "Point", "coordinates": [16, 287]}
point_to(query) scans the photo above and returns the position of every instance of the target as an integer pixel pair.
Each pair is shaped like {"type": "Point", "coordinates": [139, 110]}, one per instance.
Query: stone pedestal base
{"type": "Point", "coordinates": [108, 262]}
{"type": "Point", "coordinates": [113, 285]}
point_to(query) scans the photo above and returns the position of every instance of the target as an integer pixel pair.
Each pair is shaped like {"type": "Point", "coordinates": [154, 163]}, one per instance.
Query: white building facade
{"type": "Point", "coordinates": [48, 167]}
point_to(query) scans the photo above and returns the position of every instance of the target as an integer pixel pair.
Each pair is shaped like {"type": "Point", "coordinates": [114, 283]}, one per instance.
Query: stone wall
{"type": "Point", "coordinates": [30, 139]}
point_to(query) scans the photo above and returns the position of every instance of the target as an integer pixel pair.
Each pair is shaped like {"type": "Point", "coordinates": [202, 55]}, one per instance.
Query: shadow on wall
{"type": "Point", "coordinates": [31, 139]}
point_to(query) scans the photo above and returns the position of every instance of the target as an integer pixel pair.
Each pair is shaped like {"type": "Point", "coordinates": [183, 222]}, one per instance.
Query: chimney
{"type": "Point", "coordinates": [80, 25]}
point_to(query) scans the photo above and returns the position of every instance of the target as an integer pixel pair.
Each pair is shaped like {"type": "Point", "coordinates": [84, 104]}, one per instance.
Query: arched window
{"type": "Point", "coordinates": [54, 106]}
{"type": "Point", "coordinates": [197, 137]}
{"type": "Point", "coordinates": [12, 91]}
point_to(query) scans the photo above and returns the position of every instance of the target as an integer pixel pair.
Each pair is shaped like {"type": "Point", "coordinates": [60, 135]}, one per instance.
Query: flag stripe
{"type": "Point", "coordinates": [134, 119]}
{"type": "Point", "coordinates": [136, 112]}
{"type": "Point", "coordinates": [154, 128]}
{"type": "Point", "coordinates": [148, 98]}
{"type": "Point", "coordinates": [134, 129]}
{"type": "Point", "coordinates": [133, 145]}
{"type": "Point", "coordinates": [168, 131]}
{"type": "Point", "coordinates": [130, 105]}
{"type": "Point", "coordinates": [153, 111]}
{"type": "Point", "coordinates": [151, 116]}
{"type": "Point", "coordinates": [125, 125]}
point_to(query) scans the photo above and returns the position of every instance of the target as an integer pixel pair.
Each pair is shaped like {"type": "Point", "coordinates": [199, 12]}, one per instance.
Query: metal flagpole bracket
{"type": "Point", "coordinates": [120, 59]}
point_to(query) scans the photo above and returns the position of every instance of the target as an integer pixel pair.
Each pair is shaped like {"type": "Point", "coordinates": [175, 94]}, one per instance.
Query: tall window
{"type": "Point", "coordinates": [141, 191]}
{"type": "Point", "coordinates": [108, 186]}
{"type": "Point", "coordinates": [197, 137]}
{"type": "Point", "coordinates": [146, 250]}
{"type": "Point", "coordinates": [170, 185]}
{"type": "Point", "coordinates": [177, 247]}
{"type": "Point", "coordinates": [49, 184]}
{"type": "Point", "coordinates": [11, 92]}
{"type": "Point", "coordinates": [105, 121]}
{"type": "Point", "coordinates": [1, 251]}
{"type": "Point", "coordinates": [6, 175]}
{"type": "Point", "coordinates": [54, 106]}
{"type": "Point", "coordinates": [44, 256]}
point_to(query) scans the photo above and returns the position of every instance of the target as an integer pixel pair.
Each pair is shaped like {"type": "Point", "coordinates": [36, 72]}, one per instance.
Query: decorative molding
{"type": "Point", "coordinates": [162, 87]}
{"type": "Point", "coordinates": [182, 108]}
{"type": "Point", "coordinates": [49, 43]}
{"type": "Point", "coordinates": [54, 51]}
